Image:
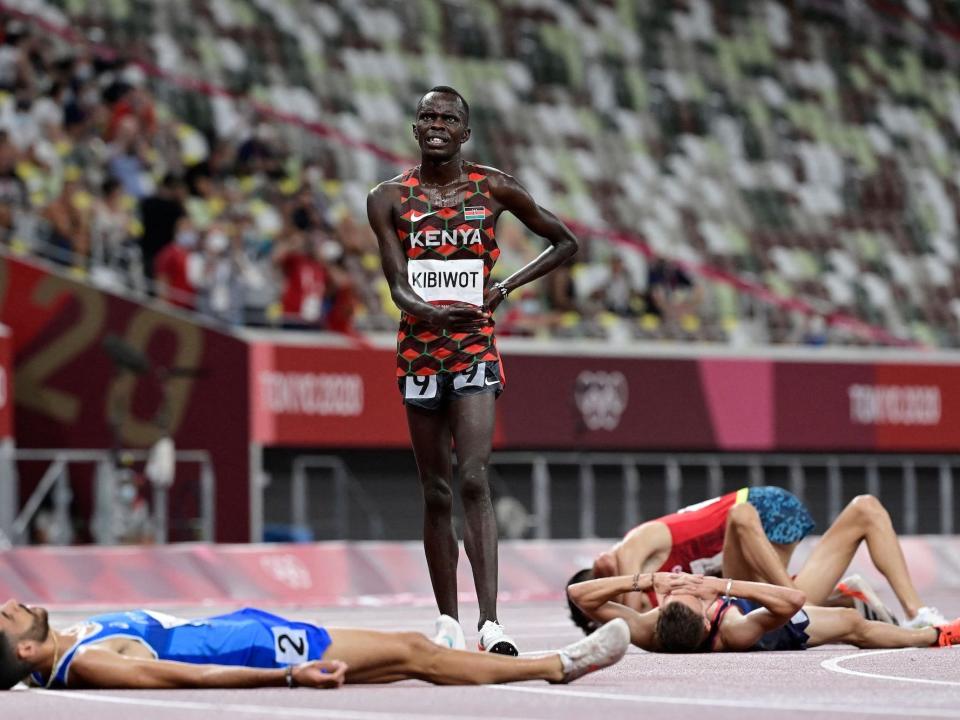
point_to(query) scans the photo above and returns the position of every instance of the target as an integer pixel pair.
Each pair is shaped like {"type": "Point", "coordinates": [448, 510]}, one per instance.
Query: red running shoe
{"type": "Point", "coordinates": [949, 634]}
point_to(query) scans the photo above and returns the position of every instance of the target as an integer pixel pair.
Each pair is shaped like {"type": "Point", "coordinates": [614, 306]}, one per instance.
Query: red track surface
{"type": "Point", "coordinates": [753, 685]}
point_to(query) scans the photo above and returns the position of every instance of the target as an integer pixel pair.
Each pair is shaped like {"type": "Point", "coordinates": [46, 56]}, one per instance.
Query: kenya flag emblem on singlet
{"type": "Point", "coordinates": [474, 213]}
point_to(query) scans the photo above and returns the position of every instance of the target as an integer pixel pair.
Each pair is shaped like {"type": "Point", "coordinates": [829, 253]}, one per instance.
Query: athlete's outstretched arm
{"type": "Point", "coordinates": [597, 599]}
{"type": "Point", "coordinates": [457, 317]}
{"type": "Point", "coordinates": [101, 668]}
{"type": "Point", "coordinates": [563, 245]}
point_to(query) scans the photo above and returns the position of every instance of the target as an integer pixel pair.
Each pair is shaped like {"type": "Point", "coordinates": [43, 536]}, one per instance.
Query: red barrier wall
{"type": "Point", "coordinates": [341, 397]}
{"type": "Point", "coordinates": [66, 384]}
{"type": "Point", "coordinates": [340, 573]}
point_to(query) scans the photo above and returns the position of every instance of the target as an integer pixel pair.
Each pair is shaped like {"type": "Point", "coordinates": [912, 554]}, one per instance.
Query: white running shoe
{"type": "Point", "coordinates": [600, 649]}
{"type": "Point", "coordinates": [448, 633]}
{"type": "Point", "coordinates": [865, 600]}
{"type": "Point", "coordinates": [926, 617]}
{"type": "Point", "coordinates": [494, 639]}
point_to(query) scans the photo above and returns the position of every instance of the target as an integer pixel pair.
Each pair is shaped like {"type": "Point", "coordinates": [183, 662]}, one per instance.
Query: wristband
{"type": "Point", "coordinates": [291, 683]}
{"type": "Point", "coordinates": [636, 582]}
{"type": "Point", "coordinates": [729, 585]}
{"type": "Point", "coordinates": [502, 288]}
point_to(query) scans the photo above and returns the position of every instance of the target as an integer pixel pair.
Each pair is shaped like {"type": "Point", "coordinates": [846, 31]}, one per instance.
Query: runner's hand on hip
{"type": "Point", "coordinates": [459, 317]}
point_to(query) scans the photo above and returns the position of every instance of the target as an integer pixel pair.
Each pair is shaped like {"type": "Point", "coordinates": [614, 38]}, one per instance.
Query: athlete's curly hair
{"type": "Point", "coordinates": [12, 668]}
{"type": "Point", "coordinates": [447, 90]}
{"type": "Point", "coordinates": [679, 629]}
{"type": "Point", "coordinates": [579, 617]}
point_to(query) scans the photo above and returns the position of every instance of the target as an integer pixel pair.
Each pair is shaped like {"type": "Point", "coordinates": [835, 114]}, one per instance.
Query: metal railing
{"type": "Point", "coordinates": [55, 482]}
{"type": "Point", "coordinates": [757, 466]}
{"type": "Point", "coordinates": [344, 485]}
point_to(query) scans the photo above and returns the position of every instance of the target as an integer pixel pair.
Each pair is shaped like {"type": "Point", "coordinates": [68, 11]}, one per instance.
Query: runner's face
{"type": "Point", "coordinates": [22, 622]}
{"type": "Point", "coordinates": [440, 129]}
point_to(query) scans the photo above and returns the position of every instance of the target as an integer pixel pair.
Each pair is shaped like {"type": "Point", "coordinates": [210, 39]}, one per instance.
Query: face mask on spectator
{"type": "Point", "coordinates": [83, 71]}
{"type": "Point", "coordinates": [217, 242]}
{"type": "Point", "coordinates": [187, 238]}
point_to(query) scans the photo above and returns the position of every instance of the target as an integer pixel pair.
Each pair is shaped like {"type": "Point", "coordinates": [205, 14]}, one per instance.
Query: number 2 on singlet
{"type": "Point", "coordinates": [420, 387]}
{"type": "Point", "coordinates": [290, 645]}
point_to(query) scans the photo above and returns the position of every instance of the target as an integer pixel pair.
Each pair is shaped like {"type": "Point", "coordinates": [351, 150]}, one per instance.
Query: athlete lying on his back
{"type": "Point", "coordinates": [252, 648]}
{"type": "Point", "coordinates": [704, 614]}
{"type": "Point", "coordinates": [751, 534]}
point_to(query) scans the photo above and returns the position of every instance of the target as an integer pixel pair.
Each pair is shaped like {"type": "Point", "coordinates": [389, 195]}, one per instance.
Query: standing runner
{"type": "Point", "coordinates": [435, 225]}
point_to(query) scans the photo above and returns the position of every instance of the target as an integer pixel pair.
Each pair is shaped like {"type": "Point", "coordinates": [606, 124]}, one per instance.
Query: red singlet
{"type": "Point", "coordinates": [697, 532]}
{"type": "Point", "coordinates": [450, 253]}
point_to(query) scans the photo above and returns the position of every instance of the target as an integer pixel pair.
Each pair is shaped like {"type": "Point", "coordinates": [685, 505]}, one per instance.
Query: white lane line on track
{"type": "Point", "coordinates": [222, 709]}
{"type": "Point", "coordinates": [833, 665]}
{"type": "Point", "coordinates": [742, 704]}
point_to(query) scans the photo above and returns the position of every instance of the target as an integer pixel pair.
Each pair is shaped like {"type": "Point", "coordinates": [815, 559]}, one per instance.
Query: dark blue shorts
{"type": "Point", "coordinates": [432, 391]}
{"type": "Point", "coordinates": [792, 636]}
{"type": "Point", "coordinates": [784, 518]}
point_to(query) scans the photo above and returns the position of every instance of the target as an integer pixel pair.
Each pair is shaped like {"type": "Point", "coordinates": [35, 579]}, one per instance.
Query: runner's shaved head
{"type": "Point", "coordinates": [447, 90]}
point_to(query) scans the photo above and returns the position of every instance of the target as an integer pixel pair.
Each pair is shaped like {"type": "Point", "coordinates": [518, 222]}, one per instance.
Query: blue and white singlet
{"type": "Point", "coordinates": [248, 637]}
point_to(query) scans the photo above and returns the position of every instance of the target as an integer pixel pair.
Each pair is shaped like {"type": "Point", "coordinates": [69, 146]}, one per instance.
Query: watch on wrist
{"type": "Point", "coordinates": [291, 683]}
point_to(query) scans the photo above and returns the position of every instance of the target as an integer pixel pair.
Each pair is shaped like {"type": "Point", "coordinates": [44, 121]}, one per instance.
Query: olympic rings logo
{"type": "Point", "coordinates": [601, 398]}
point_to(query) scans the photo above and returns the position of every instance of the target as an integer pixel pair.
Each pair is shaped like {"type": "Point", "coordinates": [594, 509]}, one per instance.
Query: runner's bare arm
{"type": "Point", "coordinates": [741, 632]}
{"type": "Point", "coordinates": [457, 317]}
{"type": "Point", "coordinates": [596, 599]}
{"type": "Point", "coordinates": [644, 549]}
{"type": "Point", "coordinates": [101, 668]}
{"type": "Point", "coordinates": [563, 245]}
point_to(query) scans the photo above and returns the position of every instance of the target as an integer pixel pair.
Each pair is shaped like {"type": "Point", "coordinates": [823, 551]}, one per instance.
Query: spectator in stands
{"type": "Point", "coordinates": [13, 191]}
{"type": "Point", "coordinates": [671, 291]}
{"type": "Point", "coordinates": [620, 291]}
{"type": "Point", "coordinates": [341, 296]}
{"type": "Point", "coordinates": [225, 271]}
{"type": "Point", "coordinates": [69, 218]}
{"type": "Point", "coordinates": [133, 101]}
{"type": "Point", "coordinates": [159, 214]}
{"type": "Point", "coordinates": [177, 267]}
{"type": "Point", "coordinates": [305, 278]}
{"type": "Point", "coordinates": [259, 153]}
{"type": "Point", "coordinates": [561, 292]}
{"type": "Point", "coordinates": [128, 153]}
{"type": "Point", "coordinates": [110, 245]}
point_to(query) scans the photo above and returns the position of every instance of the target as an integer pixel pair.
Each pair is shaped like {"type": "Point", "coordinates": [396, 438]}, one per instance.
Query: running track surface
{"type": "Point", "coordinates": [836, 681]}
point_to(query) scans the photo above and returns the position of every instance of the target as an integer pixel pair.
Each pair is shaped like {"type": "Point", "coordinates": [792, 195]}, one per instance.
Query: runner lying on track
{"type": "Point", "coordinates": [751, 534]}
{"type": "Point", "coordinates": [704, 614]}
{"type": "Point", "coordinates": [251, 648]}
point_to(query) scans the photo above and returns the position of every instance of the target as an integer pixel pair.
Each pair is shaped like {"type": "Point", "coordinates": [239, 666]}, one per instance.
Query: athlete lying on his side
{"type": "Point", "coordinates": [751, 535]}
{"type": "Point", "coordinates": [252, 648]}
{"type": "Point", "coordinates": [704, 614]}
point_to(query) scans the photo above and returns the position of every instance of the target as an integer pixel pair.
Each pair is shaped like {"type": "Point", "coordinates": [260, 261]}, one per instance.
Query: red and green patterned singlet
{"type": "Point", "coordinates": [450, 253]}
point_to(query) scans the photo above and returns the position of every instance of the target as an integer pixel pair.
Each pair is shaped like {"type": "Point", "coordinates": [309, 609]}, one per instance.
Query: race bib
{"type": "Point", "coordinates": [291, 646]}
{"type": "Point", "coordinates": [420, 387]}
{"type": "Point", "coordinates": [447, 280]}
{"type": "Point", "coordinates": [473, 376]}
{"type": "Point", "coordinates": [708, 566]}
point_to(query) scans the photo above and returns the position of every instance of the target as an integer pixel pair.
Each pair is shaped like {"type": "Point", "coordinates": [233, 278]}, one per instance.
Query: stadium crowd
{"type": "Point", "coordinates": [749, 138]}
